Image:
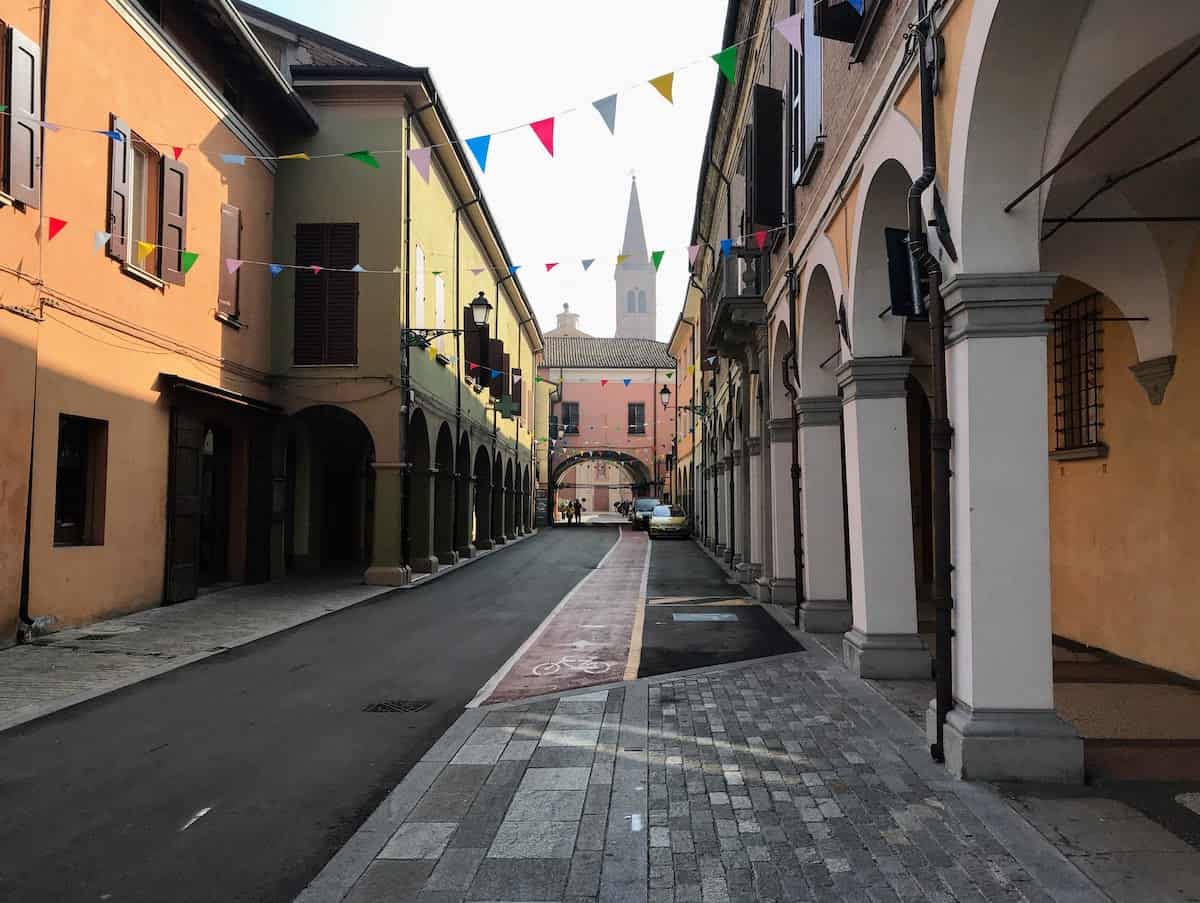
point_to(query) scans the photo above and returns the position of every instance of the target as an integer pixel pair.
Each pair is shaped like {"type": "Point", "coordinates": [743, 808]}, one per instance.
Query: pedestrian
{"type": "Point", "coordinates": [578, 511]}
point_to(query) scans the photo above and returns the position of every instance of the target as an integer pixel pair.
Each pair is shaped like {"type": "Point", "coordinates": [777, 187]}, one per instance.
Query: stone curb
{"type": "Point", "coordinates": [27, 715]}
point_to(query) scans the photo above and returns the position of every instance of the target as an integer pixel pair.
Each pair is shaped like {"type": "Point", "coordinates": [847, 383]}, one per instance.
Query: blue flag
{"type": "Point", "coordinates": [726, 246]}
{"type": "Point", "coordinates": [276, 269]}
{"type": "Point", "coordinates": [627, 381]}
{"type": "Point", "coordinates": [479, 147]}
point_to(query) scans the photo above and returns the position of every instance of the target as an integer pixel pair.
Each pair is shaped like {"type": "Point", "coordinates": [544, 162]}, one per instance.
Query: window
{"type": "Point", "coordinates": [147, 207]}
{"type": "Point", "coordinates": [20, 132]}
{"type": "Point", "coordinates": [631, 302]}
{"type": "Point", "coordinates": [439, 312]}
{"type": "Point", "coordinates": [326, 313]}
{"type": "Point", "coordinates": [1078, 349]}
{"type": "Point", "coordinates": [228, 300]}
{"type": "Point", "coordinates": [807, 141]}
{"type": "Point", "coordinates": [570, 411]}
{"type": "Point", "coordinates": [418, 308]}
{"type": "Point", "coordinates": [80, 481]}
{"type": "Point", "coordinates": [637, 418]}
{"type": "Point", "coordinates": [641, 301]}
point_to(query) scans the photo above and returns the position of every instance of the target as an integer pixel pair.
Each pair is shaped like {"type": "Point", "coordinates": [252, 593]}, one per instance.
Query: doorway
{"type": "Point", "coordinates": [216, 467]}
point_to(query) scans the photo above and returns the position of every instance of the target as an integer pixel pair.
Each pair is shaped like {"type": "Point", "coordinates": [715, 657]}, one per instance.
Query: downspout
{"type": "Point", "coordinates": [791, 385]}
{"type": "Point", "coordinates": [728, 197]}
{"type": "Point", "coordinates": [406, 390]}
{"type": "Point", "coordinates": [941, 432]}
{"type": "Point", "coordinates": [654, 437]}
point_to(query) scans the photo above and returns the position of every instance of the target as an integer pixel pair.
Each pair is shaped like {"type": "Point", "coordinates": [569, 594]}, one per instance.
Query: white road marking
{"type": "Point", "coordinates": [195, 818]}
{"type": "Point", "coordinates": [490, 687]}
{"type": "Point", "coordinates": [635, 822]}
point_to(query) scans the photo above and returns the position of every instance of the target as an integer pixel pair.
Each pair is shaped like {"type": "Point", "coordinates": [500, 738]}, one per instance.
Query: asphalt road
{"type": "Point", "coordinates": [270, 738]}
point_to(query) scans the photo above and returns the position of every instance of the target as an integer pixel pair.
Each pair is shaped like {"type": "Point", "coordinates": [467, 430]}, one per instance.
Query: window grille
{"type": "Point", "coordinates": [1078, 351]}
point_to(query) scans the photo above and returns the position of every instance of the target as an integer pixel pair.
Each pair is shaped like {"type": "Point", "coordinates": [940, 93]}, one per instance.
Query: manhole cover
{"type": "Point", "coordinates": [703, 616]}
{"type": "Point", "coordinates": [398, 705]}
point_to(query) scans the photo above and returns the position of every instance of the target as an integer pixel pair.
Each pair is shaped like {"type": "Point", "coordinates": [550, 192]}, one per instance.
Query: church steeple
{"type": "Point", "coordinates": [636, 290]}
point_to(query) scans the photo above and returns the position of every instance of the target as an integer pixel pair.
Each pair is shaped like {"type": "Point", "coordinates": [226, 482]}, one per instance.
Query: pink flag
{"type": "Point", "coordinates": [232, 264]}
{"type": "Point", "coordinates": [760, 238]}
{"type": "Point", "coordinates": [551, 266]}
{"type": "Point", "coordinates": [792, 28]}
{"type": "Point", "coordinates": [604, 382]}
{"type": "Point", "coordinates": [544, 129]}
{"type": "Point", "coordinates": [420, 157]}
{"type": "Point", "coordinates": [692, 252]}
{"type": "Point", "coordinates": [475, 271]}
{"type": "Point", "coordinates": [315, 269]}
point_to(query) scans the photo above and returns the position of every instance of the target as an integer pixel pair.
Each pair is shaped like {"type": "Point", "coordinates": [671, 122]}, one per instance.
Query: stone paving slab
{"type": "Point", "coordinates": [775, 780]}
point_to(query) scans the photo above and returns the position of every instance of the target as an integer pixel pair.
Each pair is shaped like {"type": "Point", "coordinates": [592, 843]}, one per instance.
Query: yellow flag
{"type": "Point", "coordinates": [664, 84]}
{"type": "Point", "coordinates": [299, 156]}
{"type": "Point", "coordinates": [621, 258]}
{"type": "Point", "coordinates": [691, 368]}
{"type": "Point", "coordinates": [144, 250]}
{"type": "Point", "coordinates": [432, 353]}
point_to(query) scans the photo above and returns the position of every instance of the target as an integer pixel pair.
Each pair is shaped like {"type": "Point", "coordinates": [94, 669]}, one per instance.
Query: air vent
{"type": "Point", "coordinates": [399, 705]}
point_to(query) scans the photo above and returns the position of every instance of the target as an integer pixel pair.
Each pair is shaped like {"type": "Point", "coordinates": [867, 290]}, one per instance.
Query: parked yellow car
{"type": "Point", "coordinates": [668, 520]}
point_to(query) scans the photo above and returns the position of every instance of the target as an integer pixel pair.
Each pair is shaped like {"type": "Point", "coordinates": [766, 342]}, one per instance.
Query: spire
{"type": "Point", "coordinates": [635, 236]}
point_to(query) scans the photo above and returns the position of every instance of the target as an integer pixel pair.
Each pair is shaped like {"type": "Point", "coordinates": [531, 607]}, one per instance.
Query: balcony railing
{"type": "Point", "coordinates": [742, 279]}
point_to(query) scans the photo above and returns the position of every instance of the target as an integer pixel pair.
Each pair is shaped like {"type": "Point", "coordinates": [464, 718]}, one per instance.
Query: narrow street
{"type": "Point", "coordinates": [269, 741]}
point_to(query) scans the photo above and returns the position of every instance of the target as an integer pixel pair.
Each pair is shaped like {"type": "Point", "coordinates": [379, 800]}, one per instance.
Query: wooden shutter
{"type": "Point", "coordinates": [766, 186]}
{"type": "Point", "coordinates": [518, 390]}
{"type": "Point", "coordinates": [472, 348]}
{"type": "Point", "coordinates": [309, 317]}
{"type": "Point", "coordinates": [231, 246]}
{"type": "Point", "coordinates": [496, 362]}
{"type": "Point", "coordinates": [25, 114]}
{"type": "Point", "coordinates": [174, 220]}
{"type": "Point", "coordinates": [506, 378]}
{"type": "Point", "coordinates": [183, 508]}
{"type": "Point", "coordinates": [118, 190]}
{"type": "Point", "coordinates": [341, 295]}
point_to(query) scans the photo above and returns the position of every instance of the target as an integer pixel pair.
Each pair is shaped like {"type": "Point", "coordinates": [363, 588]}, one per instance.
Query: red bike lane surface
{"type": "Point", "coordinates": [586, 640]}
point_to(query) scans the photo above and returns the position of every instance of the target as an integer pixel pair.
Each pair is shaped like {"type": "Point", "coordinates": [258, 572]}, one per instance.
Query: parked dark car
{"type": "Point", "coordinates": [642, 509]}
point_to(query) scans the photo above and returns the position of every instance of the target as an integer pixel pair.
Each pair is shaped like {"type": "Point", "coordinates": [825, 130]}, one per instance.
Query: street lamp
{"type": "Point", "coordinates": [665, 396]}
{"type": "Point", "coordinates": [481, 310]}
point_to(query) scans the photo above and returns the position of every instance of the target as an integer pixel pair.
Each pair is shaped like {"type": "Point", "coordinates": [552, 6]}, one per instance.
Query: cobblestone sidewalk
{"type": "Point", "coordinates": [776, 780]}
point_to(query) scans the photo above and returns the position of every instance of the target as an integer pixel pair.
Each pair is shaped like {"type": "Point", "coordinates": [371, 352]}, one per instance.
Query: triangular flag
{"type": "Point", "coordinates": [726, 246]}
{"type": "Point", "coordinates": [516, 378]}
{"type": "Point", "coordinates": [231, 263]}
{"type": "Point", "coordinates": [420, 158]}
{"type": "Point", "coordinates": [234, 159]}
{"type": "Point", "coordinates": [587, 263]}
{"type": "Point", "coordinates": [363, 156]}
{"type": "Point", "coordinates": [514, 267]}
{"type": "Point", "coordinates": [858, 5]}
{"type": "Point", "coordinates": [656, 258]}
{"type": "Point", "coordinates": [396, 269]}
{"type": "Point", "coordinates": [604, 382]}
{"type": "Point", "coordinates": [111, 133]}
{"type": "Point", "coordinates": [792, 29]}
{"type": "Point", "coordinates": [187, 259]}
{"type": "Point", "coordinates": [479, 147]}
{"type": "Point", "coordinates": [664, 84]}
{"type": "Point", "coordinates": [544, 129]}
{"type": "Point", "coordinates": [471, 366]}
{"type": "Point", "coordinates": [495, 374]}
{"type": "Point", "coordinates": [621, 258]}
{"type": "Point", "coordinates": [627, 381]}
{"type": "Point", "coordinates": [102, 239]}
{"type": "Point", "coordinates": [538, 379]}
{"type": "Point", "coordinates": [691, 368]}
{"type": "Point", "coordinates": [276, 269]}
{"type": "Point", "coordinates": [475, 271]}
{"type": "Point", "coordinates": [299, 156]}
{"type": "Point", "coordinates": [432, 351]}
{"type": "Point", "coordinates": [726, 61]}
{"type": "Point", "coordinates": [56, 226]}
{"type": "Point", "coordinates": [436, 273]}
{"type": "Point", "coordinates": [760, 238]}
{"type": "Point", "coordinates": [144, 250]}
{"type": "Point", "coordinates": [551, 266]}
{"type": "Point", "coordinates": [693, 250]}
{"type": "Point", "coordinates": [670, 374]}
{"type": "Point", "coordinates": [3, 108]}
{"type": "Point", "coordinates": [357, 268]}
{"type": "Point", "coordinates": [711, 359]}
{"type": "Point", "coordinates": [177, 151]}
{"type": "Point", "coordinates": [49, 126]}
{"type": "Point", "coordinates": [607, 108]}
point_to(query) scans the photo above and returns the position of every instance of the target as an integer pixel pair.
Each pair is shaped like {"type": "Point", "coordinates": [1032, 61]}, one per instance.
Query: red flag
{"type": "Point", "coordinates": [551, 266]}
{"type": "Point", "coordinates": [315, 269]}
{"type": "Point", "coordinates": [544, 129]}
{"type": "Point", "coordinates": [604, 382]}
{"type": "Point", "coordinates": [56, 226]}
{"type": "Point", "coordinates": [472, 366]}
{"type": "Point", "coordinates": [177, 151]}
{"type": "Point", "coordinates": [760, 238]}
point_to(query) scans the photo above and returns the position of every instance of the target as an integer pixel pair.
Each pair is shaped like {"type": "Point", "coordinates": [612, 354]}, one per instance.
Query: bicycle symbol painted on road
{"type": "Point", "coordinates": [571, 663]}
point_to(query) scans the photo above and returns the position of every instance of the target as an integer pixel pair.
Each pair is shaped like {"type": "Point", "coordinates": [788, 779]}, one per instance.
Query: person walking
{"type": "Point", "coordinates": [578, 511]}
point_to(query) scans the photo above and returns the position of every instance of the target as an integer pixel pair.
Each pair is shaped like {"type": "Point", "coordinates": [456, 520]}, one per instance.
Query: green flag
{"type": "Point", "coordinates": [670, 373]}
{"type": "Point", "coordinates": [187, 258]}
{"type": "Point", "coordinates": [726, 60]}
{"type": "Point", "coordinates": [656, 258]}
{"type": "Point", "coordinates": [364, 156]}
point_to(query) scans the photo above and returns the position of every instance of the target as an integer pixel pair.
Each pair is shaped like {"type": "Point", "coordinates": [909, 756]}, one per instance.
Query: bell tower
{"type": "Point", "coordinates": [636, 287]}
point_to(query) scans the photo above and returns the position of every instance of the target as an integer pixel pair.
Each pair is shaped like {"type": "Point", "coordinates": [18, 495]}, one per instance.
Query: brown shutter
{"type": "Point", "coordinates": [496, 362]}
{"type": "Point", "coordinates": [174, 219]}
{"type": "Point", "coordinates": [118, 190]}
{"type": "Point", "coordinates": [766, 184]}
{"type": "Point", "coordinates": [506, 370]}
{"type": "Point", "coordinates": [25, 112]}
{"type": "Point", "coordinates": [183, 507]}
{"type": "Point", "coordinates": [518, 389]}
{"type": "Point", "coordinates": [472, 344]}
{"type": "Point", "coordinates": [231, 246]}
{"type": "Point", "coordinates": [341, 295]}
{"type": "Point", "coordinates": [309, 338]}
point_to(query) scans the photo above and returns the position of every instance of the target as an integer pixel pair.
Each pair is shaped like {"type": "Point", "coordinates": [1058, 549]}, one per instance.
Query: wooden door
{"type": "Point", "coordinates": [183, 507]}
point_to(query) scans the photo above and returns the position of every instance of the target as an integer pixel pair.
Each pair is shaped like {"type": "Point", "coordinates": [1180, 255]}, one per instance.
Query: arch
{"type": "Point", "coordinates": [483, 499]}
{"type": "Point", "coordinates": [421, 476]}
{"type": "Point", "coordinates": [510, 500]}
{"type": "Point", "coordinates": [641, 301]}
{"type": "Point", "coordinates": [883, 205]}
{"type": "Point", "coordinates": [781, 405]}
{"type": "Point", "coordinates": [636, 466]}
{"type": "Point", "coordinates": [526, 506]}
{"type": "Point", "coordinates": [630, 301]}
{"type": "Point", "coordinates": [463, 501]}
{"type": "Point", "coordinates": [819, 338]}
{"type": "Point", "coordinates": [444, 496]}
{"type": "Point", "coordinates": [498, 534]}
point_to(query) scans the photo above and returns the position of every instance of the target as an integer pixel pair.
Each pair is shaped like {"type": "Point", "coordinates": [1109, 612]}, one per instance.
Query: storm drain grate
{"type": "Point", "coordinates": [399, 705]}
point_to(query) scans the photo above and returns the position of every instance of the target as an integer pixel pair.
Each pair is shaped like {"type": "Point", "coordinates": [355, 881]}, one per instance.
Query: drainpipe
{"type": "Point", "coordinates": [941, 432]}
{"type": "Point", "coordinates": [791, 385]}
{"type": "Point", "coordinates": [728, 197]}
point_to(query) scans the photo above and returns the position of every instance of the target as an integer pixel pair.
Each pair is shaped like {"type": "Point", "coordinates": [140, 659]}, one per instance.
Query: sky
{"type": "Point", "coordinates": [504, 63]}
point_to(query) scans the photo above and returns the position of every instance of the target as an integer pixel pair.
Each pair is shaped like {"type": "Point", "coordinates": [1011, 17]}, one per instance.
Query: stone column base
{"type": "Point", "coordinates": [719, 550]}
{"type": "Point", "coordinates": [387, 576]}
{"type": "Point", "coordinates": [445, 559]}
{"type": "Point", "coordinates": [762, 589]}
{"type": "Point", "coordinates": [754, 570]}
{"type": "Point", "coordinates": [467, 551]}
{"type": "Point", "coordinates": [783, 590]}
{"type": "Point", "coordinates": [1008, 745]}
{"type": "Point", "coordinates": [499, 540]}
{"type": "Point", "coordinates": [483, 545]}
{"type": "Point", "coordinates": [825, 616]}
{"type": "Point", "coordinates": [425, 565]}
{"type": "Point", "coordinates": [886, 656]}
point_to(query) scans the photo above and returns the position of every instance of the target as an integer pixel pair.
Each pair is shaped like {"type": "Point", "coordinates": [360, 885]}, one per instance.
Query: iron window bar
{"type": "Point", "coordinates": [1078, 349]}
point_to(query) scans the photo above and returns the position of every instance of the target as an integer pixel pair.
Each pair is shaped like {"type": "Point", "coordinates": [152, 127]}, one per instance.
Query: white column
{"type": "Point", "coordinates": [1003, 725]}
{"type": "Point", "coordinates": [883, 642]}
{"type": "Point", "coordinates": [822, 522]}
{"type": "Point", "coordinates": [783, 560]}
{"type": "Point", "coordinates": [753, 510]}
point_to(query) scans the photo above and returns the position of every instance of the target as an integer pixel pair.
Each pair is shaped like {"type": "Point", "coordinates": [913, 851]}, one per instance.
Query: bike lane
{"type": "Point", "coordinates": [592, 637]}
